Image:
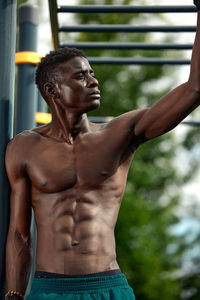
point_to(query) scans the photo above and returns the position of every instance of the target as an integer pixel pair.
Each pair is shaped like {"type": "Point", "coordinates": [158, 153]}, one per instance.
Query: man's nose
{"type": "Point", "coordinates": [92, 82]}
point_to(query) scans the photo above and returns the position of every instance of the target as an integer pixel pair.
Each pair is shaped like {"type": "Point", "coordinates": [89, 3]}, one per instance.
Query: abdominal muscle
{"type": "Point", "coordinates": [75, 236]}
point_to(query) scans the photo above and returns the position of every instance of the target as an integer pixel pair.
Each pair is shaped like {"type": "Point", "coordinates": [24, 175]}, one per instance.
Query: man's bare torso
{"type": "Point", "coordinates": [74, 173]}
{"type": "Point", "coordinates": [76, 191]}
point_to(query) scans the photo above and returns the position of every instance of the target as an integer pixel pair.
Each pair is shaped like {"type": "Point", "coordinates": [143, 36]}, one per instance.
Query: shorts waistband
{"type": "Point", "coordinates": [79, 284]}
{"type": "Point", "coordinates": [42, 274]}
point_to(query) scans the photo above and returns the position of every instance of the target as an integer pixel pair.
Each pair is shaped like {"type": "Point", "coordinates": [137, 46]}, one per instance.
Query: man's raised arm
{"type": "Point", "coordinates": [176, 105]}
{"type": "Point", "coordinates": [18, 247]}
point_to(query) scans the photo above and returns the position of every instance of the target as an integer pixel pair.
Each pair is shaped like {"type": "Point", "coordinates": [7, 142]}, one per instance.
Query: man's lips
{"type": "Point", "coordinates": [95, 94]}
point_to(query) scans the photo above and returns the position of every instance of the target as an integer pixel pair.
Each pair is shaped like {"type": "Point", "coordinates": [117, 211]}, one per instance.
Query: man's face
{"type": "Point", "coordinates": [78, 88]}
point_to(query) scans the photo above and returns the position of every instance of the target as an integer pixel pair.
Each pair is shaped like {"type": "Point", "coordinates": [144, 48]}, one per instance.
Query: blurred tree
{"type": "Point", "coordinates": [148, 251]}
{"type": "Point", "coordinates": [191, 264]}
{"type": "Point", "coordinates": [19, 2]}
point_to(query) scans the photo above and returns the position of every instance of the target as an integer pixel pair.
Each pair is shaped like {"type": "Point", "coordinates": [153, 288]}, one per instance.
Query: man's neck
{"type": "Point", "coordinates": [67, 126]}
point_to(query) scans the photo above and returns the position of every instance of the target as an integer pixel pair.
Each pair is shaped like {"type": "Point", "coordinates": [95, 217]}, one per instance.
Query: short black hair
{"type": "Point", "coordinates": [46, 69]}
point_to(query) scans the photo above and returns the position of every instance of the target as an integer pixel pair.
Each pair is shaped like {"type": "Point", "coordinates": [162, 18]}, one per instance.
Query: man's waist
{"type": "Point", "coordinates": [42, 274]}
{"type": "Point", "coordinates": [60, 283]}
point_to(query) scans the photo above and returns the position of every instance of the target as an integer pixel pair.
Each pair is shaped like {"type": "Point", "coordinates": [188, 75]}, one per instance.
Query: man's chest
{"type": "Point", "coordinates": [54, 166]}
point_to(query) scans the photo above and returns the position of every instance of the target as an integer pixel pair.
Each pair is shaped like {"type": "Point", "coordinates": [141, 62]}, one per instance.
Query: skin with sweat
{"type": "Point", "coordinates": [73, 173]}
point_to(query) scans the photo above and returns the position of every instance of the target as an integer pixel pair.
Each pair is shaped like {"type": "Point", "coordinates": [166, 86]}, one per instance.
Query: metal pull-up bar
{"type": "Point", "coordinates": [136, 61]}
{"type": "Point", "coordinates": [55, 10]}
{"type": "Point", "coordinates": [128, 46]}
{"type": "Point", "coordinates": [125, 9]}
{"type": "Point", "coordinates": [126, 28]}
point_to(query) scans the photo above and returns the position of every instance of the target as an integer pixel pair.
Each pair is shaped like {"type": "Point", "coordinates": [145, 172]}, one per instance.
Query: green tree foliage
{"type": "Point", "coordinates": [19, 2]}
{"type": "Point", "coordinates": [191, 267]}
{"type": "Point", "coordinates": [148, 251]}
{"type": "Point", "coordinates": [191, 278]}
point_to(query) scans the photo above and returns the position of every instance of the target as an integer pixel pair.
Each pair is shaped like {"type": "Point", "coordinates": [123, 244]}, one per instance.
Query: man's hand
{"type": "Point", "coordinates": [197, 3]}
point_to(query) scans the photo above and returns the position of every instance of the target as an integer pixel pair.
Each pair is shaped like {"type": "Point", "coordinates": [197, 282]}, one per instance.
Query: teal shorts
{"type": "Point", "coordinates": [81, 288]}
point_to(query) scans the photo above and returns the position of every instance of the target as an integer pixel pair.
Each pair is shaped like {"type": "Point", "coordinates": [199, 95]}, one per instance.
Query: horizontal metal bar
{"type": "Point", "coordinates": [125, 9]}
{"type": "Point", "coordinates": [44, 118]}
{"type": "Point", "coordinates": [191, 123]}
{"type": "Point", "coordinates": [138, 46]}
{"type": "Point", "coordinates": [126, 28]}
{"type": "Point", "coordinates": [136, 61]}
{"type": "Point", "coordinates": [100, 119]}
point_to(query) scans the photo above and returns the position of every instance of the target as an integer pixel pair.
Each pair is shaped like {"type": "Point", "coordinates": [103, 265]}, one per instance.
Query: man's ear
{"type": "Point", "coordinates": [50, 90]}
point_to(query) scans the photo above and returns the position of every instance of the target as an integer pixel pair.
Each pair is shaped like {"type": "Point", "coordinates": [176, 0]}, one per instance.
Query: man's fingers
{"type": "Point", "coordinates": [197, 3]}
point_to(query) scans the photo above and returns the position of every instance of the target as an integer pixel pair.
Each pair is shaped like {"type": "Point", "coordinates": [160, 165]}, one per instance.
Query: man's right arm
{"type": "Point", "coordinates": [18, 247]}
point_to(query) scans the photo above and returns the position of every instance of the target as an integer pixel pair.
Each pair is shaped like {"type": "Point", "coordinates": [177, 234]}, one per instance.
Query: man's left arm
{"type": "Point", "coordinates": [175, 106]}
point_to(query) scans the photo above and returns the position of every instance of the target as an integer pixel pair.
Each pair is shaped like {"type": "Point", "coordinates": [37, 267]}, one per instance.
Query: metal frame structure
{"type": "Point", "coordinates": [124, 9]}
{"type": "Point", "coordinates": [26, 93]}
{"type": "Point", "coordinates": [125, 28]}
{"type": "Point", "coordinates": [55, 10]}
{"type": "Point", "coordinates": [128, 46]}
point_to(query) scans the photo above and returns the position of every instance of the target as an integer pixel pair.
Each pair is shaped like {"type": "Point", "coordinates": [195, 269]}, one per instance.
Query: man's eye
{"type": "Point", "coordinates": [80, 77]}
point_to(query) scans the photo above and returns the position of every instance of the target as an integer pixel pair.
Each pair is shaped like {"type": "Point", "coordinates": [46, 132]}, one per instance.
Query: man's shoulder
{"type": "Point", "coordinates": [22, 141]}
{"type": "Point", "coordinates": [27, 135]}
{"type": "Point", "coordinates": [18, 152]}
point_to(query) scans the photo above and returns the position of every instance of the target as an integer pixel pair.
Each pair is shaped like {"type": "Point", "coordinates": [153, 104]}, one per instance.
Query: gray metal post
{"type": "Point", "coordinates": [7, 63]}
{"type": "Point", "coordinates": [26, 100]}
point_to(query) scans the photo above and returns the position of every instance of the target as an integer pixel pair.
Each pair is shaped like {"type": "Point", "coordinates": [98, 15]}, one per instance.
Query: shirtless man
{"type": "Point", "coordinates": [73, 173]}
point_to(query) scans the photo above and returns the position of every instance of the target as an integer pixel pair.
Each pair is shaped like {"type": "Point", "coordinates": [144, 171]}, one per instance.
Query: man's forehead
{"type": "Point", "coordinates": [76, 64]}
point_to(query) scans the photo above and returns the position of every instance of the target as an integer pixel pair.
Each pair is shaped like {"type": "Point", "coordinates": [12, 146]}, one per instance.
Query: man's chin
{"type": "Point", "coordinates": [94, 105]}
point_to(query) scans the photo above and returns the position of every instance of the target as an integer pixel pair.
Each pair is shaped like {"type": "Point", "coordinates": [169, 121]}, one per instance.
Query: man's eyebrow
{"type": "Point", "coordinates": [83, 72]}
